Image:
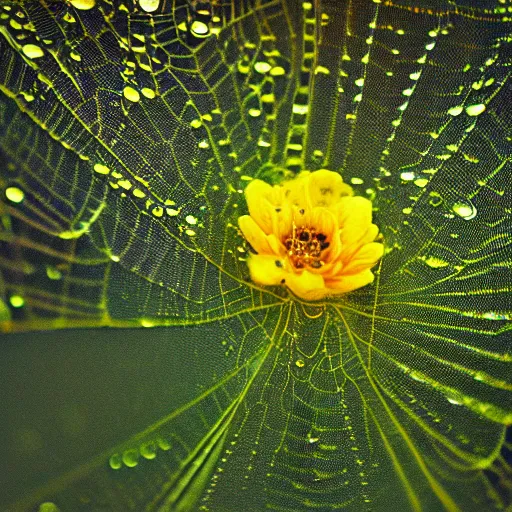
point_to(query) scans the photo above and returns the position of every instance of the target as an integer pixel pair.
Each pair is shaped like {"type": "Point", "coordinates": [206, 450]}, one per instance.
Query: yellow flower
{"type": "Point", "coordinates": [310, 234]}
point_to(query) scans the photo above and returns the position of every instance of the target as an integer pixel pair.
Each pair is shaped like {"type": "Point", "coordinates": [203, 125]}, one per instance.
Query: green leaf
{"type": "Point", "coordinates": [128, 132]}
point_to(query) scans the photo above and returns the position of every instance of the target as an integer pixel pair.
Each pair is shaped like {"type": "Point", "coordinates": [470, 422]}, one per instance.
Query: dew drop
{"type": "Point", "coordinates": [421, 182]}
{"type": "Point", "coordinates": [408, 176]}
{"type": "Point", "coordinates": [148, 450]}
{"type": "Point", "coordinates": [149, 5]}
{"type": "Point", "coordinates": [148, 93]}
{"type": "Point", "coordinates": [17, 301]}
{"type": "Point", "coordinates": [115, 461]}
{"type": "Point", "coordinates": [434, 262]}
{"type": "Point", "coordinates": [199, 29]}
{"type": "Point", "coordinates": [475, 110]}
{"type": "Point", "coordinates": [101, 169]}
{"type": "Point", "coordinates": [131, 94]}
{"type": "Point", "coordinates": [32, 51]}
{"type": "Point", "coordinates": [277, 71]}
{"type": "Point", "coordinates": [14, 194]}
{"type": "Point", "coordinates": [262, 67]}
{"type": "Point", "coordinates": [455, 111]}
{"type": "Point", "coordinates": [48, 506]}
{"type": "Point", "coordinates": [83, 5]}
{"type": "Point", "coordinates": [130, 458]}
{"type": "Point", "coordinates": [53, 273]}
{"type": "Point", "coordinates": [465, 210]}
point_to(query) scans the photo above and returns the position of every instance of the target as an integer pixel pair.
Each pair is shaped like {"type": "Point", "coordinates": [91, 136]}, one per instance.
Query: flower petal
{"type": "Point", "coordinates": [326, 187]}
{"type": "Point", "coordinates": [295, 191]}
{"type": "Point", "coordinates": [265, 271]}
{"type": "Point", "coordinates": [350, 283]}
{"type": "Point", "coordinates": [277, 247]}
{"type": "Point", "coordinates": [306, 285]}
{"type": "Point", "coordinates": [324, 221]}
{"type": "Point", "coordinates": [355, 218]}
{"type": "Point", "coordinates": [262, 200]}
{"type": "Point", "coordinates": [254, 235]}
{"type": "Point", "coordinates": [365, 258]}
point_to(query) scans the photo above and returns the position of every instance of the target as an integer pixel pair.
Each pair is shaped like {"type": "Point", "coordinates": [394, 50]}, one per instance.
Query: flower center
{"type": "Point", "coordinates": [305, 246]}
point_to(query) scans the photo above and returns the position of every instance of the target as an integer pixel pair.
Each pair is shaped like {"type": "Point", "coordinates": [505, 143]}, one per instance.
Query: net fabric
{"type": "Point", "coordinates": [132, 136]}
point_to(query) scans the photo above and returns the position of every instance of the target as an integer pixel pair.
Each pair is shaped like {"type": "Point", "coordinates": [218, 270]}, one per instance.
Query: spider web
{"type": "Point", "coordinates": [131, 135]}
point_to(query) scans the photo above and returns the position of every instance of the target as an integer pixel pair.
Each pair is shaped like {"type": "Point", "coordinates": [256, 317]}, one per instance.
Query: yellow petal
{"type": "Point", "coordinates": [355, 218]}
{"type": "Point", "coordinates": [324, 221]}
{"type": "Point", "coordinates": [350, 283]}
{"type": "Point", "coordinates": [277, 247]}
{"type": "Point", "coordinates": [282, 221]}
{"type": "Point", "coordinates": [326, 187]}
{"type": "Point", "coordinates": [365, 258]}
{"type": "Point", "coordinates": [265, 270]}
{"type": "Point", "coordinates": [257, 195]}
{"type": "Point", "coordinates": [306, 285]}
{"type": "Point", "coordinates": [370, 235]}
{"type": "Point", "coordinates": [295, 191]}
{"type": "Point", "coordinates": [254, 235]}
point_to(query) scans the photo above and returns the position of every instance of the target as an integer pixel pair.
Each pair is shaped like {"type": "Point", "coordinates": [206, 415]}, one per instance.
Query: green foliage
{"type": "Point", "coordinates": [128, 132]}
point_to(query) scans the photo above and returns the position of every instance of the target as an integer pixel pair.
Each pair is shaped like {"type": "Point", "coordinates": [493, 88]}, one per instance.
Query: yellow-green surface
{"type": "Point", "coordinates": [128, 132]}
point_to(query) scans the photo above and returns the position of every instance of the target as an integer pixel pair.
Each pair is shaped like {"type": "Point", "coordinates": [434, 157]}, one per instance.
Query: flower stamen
{"type": "Point", "coordinates": [305, 246]}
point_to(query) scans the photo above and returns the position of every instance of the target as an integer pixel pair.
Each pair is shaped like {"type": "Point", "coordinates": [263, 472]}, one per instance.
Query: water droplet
{"type": "Point", "coordinates": [17, 301]}
{"type": "Point", "coordinates": [148, 93]}
{"type": "Point", "coordinates": [199, 29]}
{"type": "Point", "coordinates": [322, 70]}
{"type": "Point", "coordinates": [101, 169]}
{"type": "Point", "coordinates": [149, 5]}
{"type": "Point", "coordinates": [32, 51]}
{"type": "Point", "coordinates": [455, 111]}
{"type": "Point", "coordinates": [130, 458]}
{"type": "Point", "coordinates": [300, 109]}
{"type": "Point", "coordinates": [148, 450]}
{"type": "Point", "coordinates": [157, 211]}
{"type": "Point", "coordinates": [115, 461]}
{"type": "Point", "coordinates": [277, 71]}
{"type": "Point", "coordinates": [434, 262]}
{"type": "Point", "coordinates": [53, 273]}
{"type": "Point", "coordinates": [48, 506]}
{"type": "Point", "coordinates": [83, 5]}
{"type": "Point", "coordinates": [465, 210]}
{"type": "Point", "coordinates": [262, 67]}
{"type": "Point", "coordinates": [421, 182]}
{"type": "Point", "coordinates": [131, 94]}
{"type": "Point", "coordinates": [14, 194]}
{"type": "Point", "coordinates": [475, 110]}
{"type": "Point", "coordinates": [408, 176]}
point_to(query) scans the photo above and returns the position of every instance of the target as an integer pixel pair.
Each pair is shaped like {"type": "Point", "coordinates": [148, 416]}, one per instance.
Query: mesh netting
{"type": "Point", "coordinates": [128, 132]}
